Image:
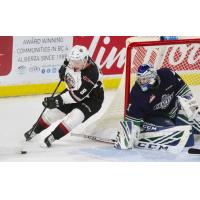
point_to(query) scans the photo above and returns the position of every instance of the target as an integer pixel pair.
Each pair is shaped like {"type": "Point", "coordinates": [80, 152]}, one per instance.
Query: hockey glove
{"type": "Point", "coordinates": [189, 106]}
{"type": "Point", "coordinates": [53, 102]}
{"type": "Point", "coordinates": [62, 70]}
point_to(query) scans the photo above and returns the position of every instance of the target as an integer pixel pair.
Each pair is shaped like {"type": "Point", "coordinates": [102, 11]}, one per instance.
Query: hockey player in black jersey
{"type": "Point", "coordinates": [159, 99]}
{"type": "Point", "coordinates": [82, 98]}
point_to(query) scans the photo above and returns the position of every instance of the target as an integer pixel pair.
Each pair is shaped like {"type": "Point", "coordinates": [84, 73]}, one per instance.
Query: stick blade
{"type": "Point", "coordinates": [194, 151]}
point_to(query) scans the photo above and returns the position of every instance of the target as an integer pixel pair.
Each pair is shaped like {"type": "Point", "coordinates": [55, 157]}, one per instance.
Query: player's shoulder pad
{"type": "Point", "coordinates": [165, 72]}
{"type": "Point", "coordinates": [136, 91]}
{"type": "Point", "coordinates": [91, 72]}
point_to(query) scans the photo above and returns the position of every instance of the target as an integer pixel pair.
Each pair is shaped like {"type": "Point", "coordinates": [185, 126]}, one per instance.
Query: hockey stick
{"type": "Point", "coordinates": [22, 150]}
{"type": "Point", "coordinates": [33, 128]}
{"type": "Point", "coordinates": [194, 151]}
{"type": "Point", "coordinates": [99, 139]}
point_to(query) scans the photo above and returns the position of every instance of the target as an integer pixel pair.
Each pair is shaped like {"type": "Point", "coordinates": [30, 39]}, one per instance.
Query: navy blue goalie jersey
{"type": "Point", "coordinates": [160, 101]}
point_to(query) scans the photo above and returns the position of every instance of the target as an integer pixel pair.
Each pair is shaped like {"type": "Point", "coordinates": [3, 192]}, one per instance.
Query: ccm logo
{"type": "Point", "coordinates": [151, 146]}
{"type": "Point", "coordinates": [6, 46]}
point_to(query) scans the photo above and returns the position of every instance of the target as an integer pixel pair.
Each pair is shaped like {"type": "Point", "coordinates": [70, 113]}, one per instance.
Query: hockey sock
{"type": "Point", "coordinates": [60, 131]}
{"type": "Point", "coordinates": [42, 125]}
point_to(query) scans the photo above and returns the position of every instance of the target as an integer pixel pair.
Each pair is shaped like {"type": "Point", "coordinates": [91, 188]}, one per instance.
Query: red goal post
{"type": "Point", "coordinates": [157, 44]}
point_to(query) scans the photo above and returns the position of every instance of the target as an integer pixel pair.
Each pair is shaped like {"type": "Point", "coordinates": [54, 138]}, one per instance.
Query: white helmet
{"type": "Point", "coordinates": [78, 57]}
{"type": "Point", "coordinates": [78, 53]}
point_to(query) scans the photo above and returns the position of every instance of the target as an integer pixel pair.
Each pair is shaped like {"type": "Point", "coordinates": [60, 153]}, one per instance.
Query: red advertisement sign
{"type": "Point", "coordinates": [6, 47]}
{"type": "Point", "coordinates": [107, 51]}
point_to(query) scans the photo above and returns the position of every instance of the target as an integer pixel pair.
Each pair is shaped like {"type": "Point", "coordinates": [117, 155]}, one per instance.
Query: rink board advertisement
{"type": "Point", "coordinates": [36, 60]}
{"type": "Point", "coordinates": [30, 65]}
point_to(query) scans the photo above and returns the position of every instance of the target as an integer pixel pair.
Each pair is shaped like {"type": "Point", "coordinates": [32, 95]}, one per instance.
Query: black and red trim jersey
{"type": "Point", "coordinates": [84, 83]}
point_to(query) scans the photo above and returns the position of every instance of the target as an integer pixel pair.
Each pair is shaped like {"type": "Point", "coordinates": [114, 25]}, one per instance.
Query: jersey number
{"type": "Point", "coordinates": [129, 105]}
{"type": "Point", "coordinates": [83, 91]}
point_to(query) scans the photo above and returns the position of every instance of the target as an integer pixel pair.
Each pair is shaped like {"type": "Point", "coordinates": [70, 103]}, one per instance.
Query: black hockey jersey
{"type": "Point", "coordinates": [84, 83]}
{"type": "Point", "coordinates": [161, 101]}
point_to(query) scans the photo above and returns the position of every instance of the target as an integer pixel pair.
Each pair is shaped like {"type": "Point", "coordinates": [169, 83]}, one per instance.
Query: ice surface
{"type": "Point", "coordinates": [17, 114]}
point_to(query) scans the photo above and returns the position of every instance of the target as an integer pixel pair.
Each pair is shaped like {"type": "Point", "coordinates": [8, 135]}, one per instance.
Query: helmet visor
{"type": "Point", "coordinates": [146, 81]}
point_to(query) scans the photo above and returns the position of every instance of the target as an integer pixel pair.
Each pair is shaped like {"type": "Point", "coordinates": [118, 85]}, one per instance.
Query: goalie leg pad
{"type": "Point", "coordinates": [183, 120]}
{"type": "Point", "coordinates": [196, 122]}
{"type": "Point", "coordinates": [128, 132]}
{"type": "Point", "coordinates": [171, 139]}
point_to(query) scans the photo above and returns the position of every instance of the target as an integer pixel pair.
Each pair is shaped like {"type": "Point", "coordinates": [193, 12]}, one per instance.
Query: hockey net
{"type": "Point", "coordinates": [181, 56]}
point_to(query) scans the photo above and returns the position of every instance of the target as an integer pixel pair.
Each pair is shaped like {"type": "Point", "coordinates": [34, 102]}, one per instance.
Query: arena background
{"type": "Point", "coordinates": [30, 64]}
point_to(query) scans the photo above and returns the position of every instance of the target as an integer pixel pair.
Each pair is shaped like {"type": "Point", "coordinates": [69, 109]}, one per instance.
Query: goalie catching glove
{"type": "Point", "coordinates": [53, 102]}
{"type": "Point", "coordinates": [189, 106]}
{"type": "Point", "coordinates": [128, 133]}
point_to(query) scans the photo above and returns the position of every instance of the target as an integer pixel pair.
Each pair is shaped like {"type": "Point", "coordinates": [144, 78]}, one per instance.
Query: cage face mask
{"type": "Point", "coordinates": [146, 77]}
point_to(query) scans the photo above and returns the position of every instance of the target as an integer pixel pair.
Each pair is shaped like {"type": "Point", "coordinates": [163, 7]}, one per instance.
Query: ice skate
{"type": "Point", "coordinates": [29, 135]}
{"type": "Point", "coordinates": [49, 140]}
